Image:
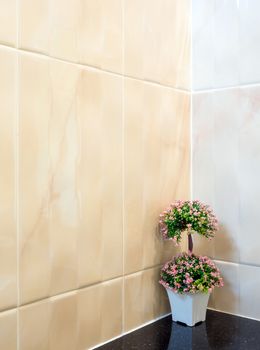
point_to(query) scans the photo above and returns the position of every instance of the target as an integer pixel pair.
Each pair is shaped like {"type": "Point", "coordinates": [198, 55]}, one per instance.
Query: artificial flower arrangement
{"type": "Point", "coordinates": [189, 274]}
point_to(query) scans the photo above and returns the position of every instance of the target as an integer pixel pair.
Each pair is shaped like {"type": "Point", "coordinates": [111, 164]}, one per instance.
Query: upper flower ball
{"type": "Point", "coordinates": [191, 216]}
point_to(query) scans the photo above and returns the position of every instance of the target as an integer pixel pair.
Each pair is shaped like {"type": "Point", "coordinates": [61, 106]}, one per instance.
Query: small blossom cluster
{"type": "Point", "coordinates": [189, 273]}
{"type": "Point", "coordinates": [190, 216]}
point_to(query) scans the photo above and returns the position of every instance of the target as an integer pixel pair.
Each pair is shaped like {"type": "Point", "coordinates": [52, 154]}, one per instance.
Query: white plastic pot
{"type": "Point", "coordinates": [188, 308]}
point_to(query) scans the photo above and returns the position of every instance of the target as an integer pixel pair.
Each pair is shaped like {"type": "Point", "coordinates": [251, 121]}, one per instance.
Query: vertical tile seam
{"type": "Point", "coordinates": [17, 206]}
{"type": "Point", "coordinates": [191, 105]}
{"type": "Point", "coordinates": [123, 162]}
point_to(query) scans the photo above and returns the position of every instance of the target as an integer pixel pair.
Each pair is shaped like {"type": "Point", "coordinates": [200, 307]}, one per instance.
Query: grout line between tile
{"type": "Point", "coordinates": [236, 263]}
{"type": "Point", "coordinates": [230, 313]}
{"type": "Point", "coordinates": [123, 163]}
{"type": "Point", "coordinates": [79, 289]}
{"type": "Point", "coordinates": [191, 107]}
{"type": "Point", "coordinates": [132, 330]}
{"type": "Point", "coordinates": [226, 88]}
{"type": "Point", "coordinates": [92, 68]}
{"type": "Point", "coordinates": [17, 204]}
{"type": "Point", "coordinates": [97, 69]}
{"type": "Point", "coordinates": [160, 318]}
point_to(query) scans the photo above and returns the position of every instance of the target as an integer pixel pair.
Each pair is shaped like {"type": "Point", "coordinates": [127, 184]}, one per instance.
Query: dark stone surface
{"type": "Point", "coordinates": [220, 331]}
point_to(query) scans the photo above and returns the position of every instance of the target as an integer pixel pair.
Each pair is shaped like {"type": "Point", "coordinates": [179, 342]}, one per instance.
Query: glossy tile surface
{"type": "Point", "coordinates": [8, 273]}
{"type": "Point", "coordinates": [215, 43]}
{"type": "Point", "coordinates": [63, 325]}
{"type": "Point", "coordinates": [157, 41]}
{"type": "Point", "coordinates": [100, 37]}
{"type": "Point", "coordinates": [75, 321]}
{"type": "Point", "coordinates": [145, 299]}
{"type": "Point", "coordinates": [220, 331]}
{"type": "Point", "coordinates": [35, 108]}
{"type": "Point", "coordinates": [32, 333]}
{"type": "Point", "coordinates": [89, 32]}
{"type": "Point", "coordinates": [156, 167]}
{"type": "Point", "coordinates": [249, 41]}
{"type": "Point", "coordinates": [69, 189]}
{"type": "Point", "coordinates": [8, 330]}
{"type": "Point", "coordinates": [248, 285]}
{"type": "Point", "coordinates": [34, 25]}
{"type": "Point", "coordinates": [225, 148]}
{"type": "Point", "coordinates": [8, 22]}
{"type": "Point", "coordinates": [215, 150]}
{"type": "Point", "coordinates": [99, 178]}
{"type": "Point", "coordinates": [228, 298]}
{"type": "Point", "coordinates": [97, 307]}
{"type": "Point", "coordinates": [226, 49]}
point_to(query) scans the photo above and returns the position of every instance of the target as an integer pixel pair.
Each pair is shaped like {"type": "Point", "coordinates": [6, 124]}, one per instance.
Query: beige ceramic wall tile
{"type": "Point", "coordinates": [63, 327]}
{"type": "Point", "coordinates": [8, 22]}
{"type": "Point", "coordinates": [145, 298]}
{"type": "Point", "coordinates": [49, 204]}
{"type": "Point", "coordinates": [86, 31]}
{"type": "Point", "coordinates": [57, 329]}
{"type": "Point", "coordinates": [156, 168]}
{"type": "Point", "coordinates": [34, 25]}
{"type": "Point", "coordinates": [99, 313]}
{"type": "Point", "coordinates": [8, 330]}
{"type": "Point", "coordinates": [62, 36]}
{"type": "Point", "coordinates": [74, 321]}
{"type": "Point", "coordinates": [101, 33]}
{"type": "Point", "coordinates": [64, 150]}
{"type": "Point", "coordinates": [50, 27]}
{"type": "Point", "coordinates": [157, 41]}
{"type": "Point", "coordinates": [71, 177]}
{"type": "Point", "coordinates": [34, 326]}
{"type": "Point", "coordinates": [7, 180]}
{"type": "Point", "coordinates": [227, 298]}
{"type": "Point", "coordinates": [100, 177]}
{"type": "Point", "coordinates": [35, 109]}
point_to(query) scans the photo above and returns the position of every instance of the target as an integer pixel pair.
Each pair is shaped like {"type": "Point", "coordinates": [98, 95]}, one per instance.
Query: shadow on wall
{"type": "Point", "coordinates": [167, 248]}
{"type": "Point", "coordinates": [159, 298]}
{"type": "Point", "coordinates": [226, 251]}
{"type": "Point", "coordinates": [225, 246]}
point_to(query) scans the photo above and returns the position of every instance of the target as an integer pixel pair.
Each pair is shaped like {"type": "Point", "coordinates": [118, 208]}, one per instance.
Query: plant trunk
{"type": "Point", "coordinates": [190, 243]}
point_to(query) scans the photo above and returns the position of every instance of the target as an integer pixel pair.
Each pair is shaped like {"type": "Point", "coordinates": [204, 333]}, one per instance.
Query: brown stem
{"type": "Point", "coordinates": [190, 243]}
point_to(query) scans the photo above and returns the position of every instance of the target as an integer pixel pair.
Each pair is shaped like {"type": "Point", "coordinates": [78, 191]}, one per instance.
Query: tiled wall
{"type": "Point", "coordinates": [94, 142]}
{"type": "Point", "coordinates": [226, 142]}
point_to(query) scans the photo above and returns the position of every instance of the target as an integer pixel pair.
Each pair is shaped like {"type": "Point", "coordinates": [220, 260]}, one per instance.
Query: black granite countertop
{"type": "Point", "coordinates": [220, 331]}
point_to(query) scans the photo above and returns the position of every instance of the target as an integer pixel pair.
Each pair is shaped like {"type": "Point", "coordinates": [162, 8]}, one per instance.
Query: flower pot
{"type": "Point", "coordinates": [188, 308]}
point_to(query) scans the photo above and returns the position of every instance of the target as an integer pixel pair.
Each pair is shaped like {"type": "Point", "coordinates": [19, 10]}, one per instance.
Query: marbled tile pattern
{"type": "Point", "coordinates": [100, 250]}
{"type": "Point", "coordinates": [145, 299]}
{"type": "Point", "coordinates": [226, 45]}
{"type": "Point", "coordinates": [157, 35]}
{"type": "Point", "coordinates": [157, 41]}
{"type": "Point", "coordinates": [35, 107]}
{"type": "Point", "coordinates": [8, 23]}
{"type": "Point", "coordinates": [76, 320]}
{"type": "Point", "coordinates": [89, 32]}
{"type": "Point", "coordinates": [8, 330]}
{"type": "Point", "coordinates": [225, 142]}
{"type": "Point", "coordinates": [91, 152]}
{"type": "Point", "coordinates": [70, 195]}
{"type": "Point", "coordinates": [226, 156]}
{"type": "Point", "coordinates": [8, 283]}
{"type": "Point", "coordinates": [156, 167]}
